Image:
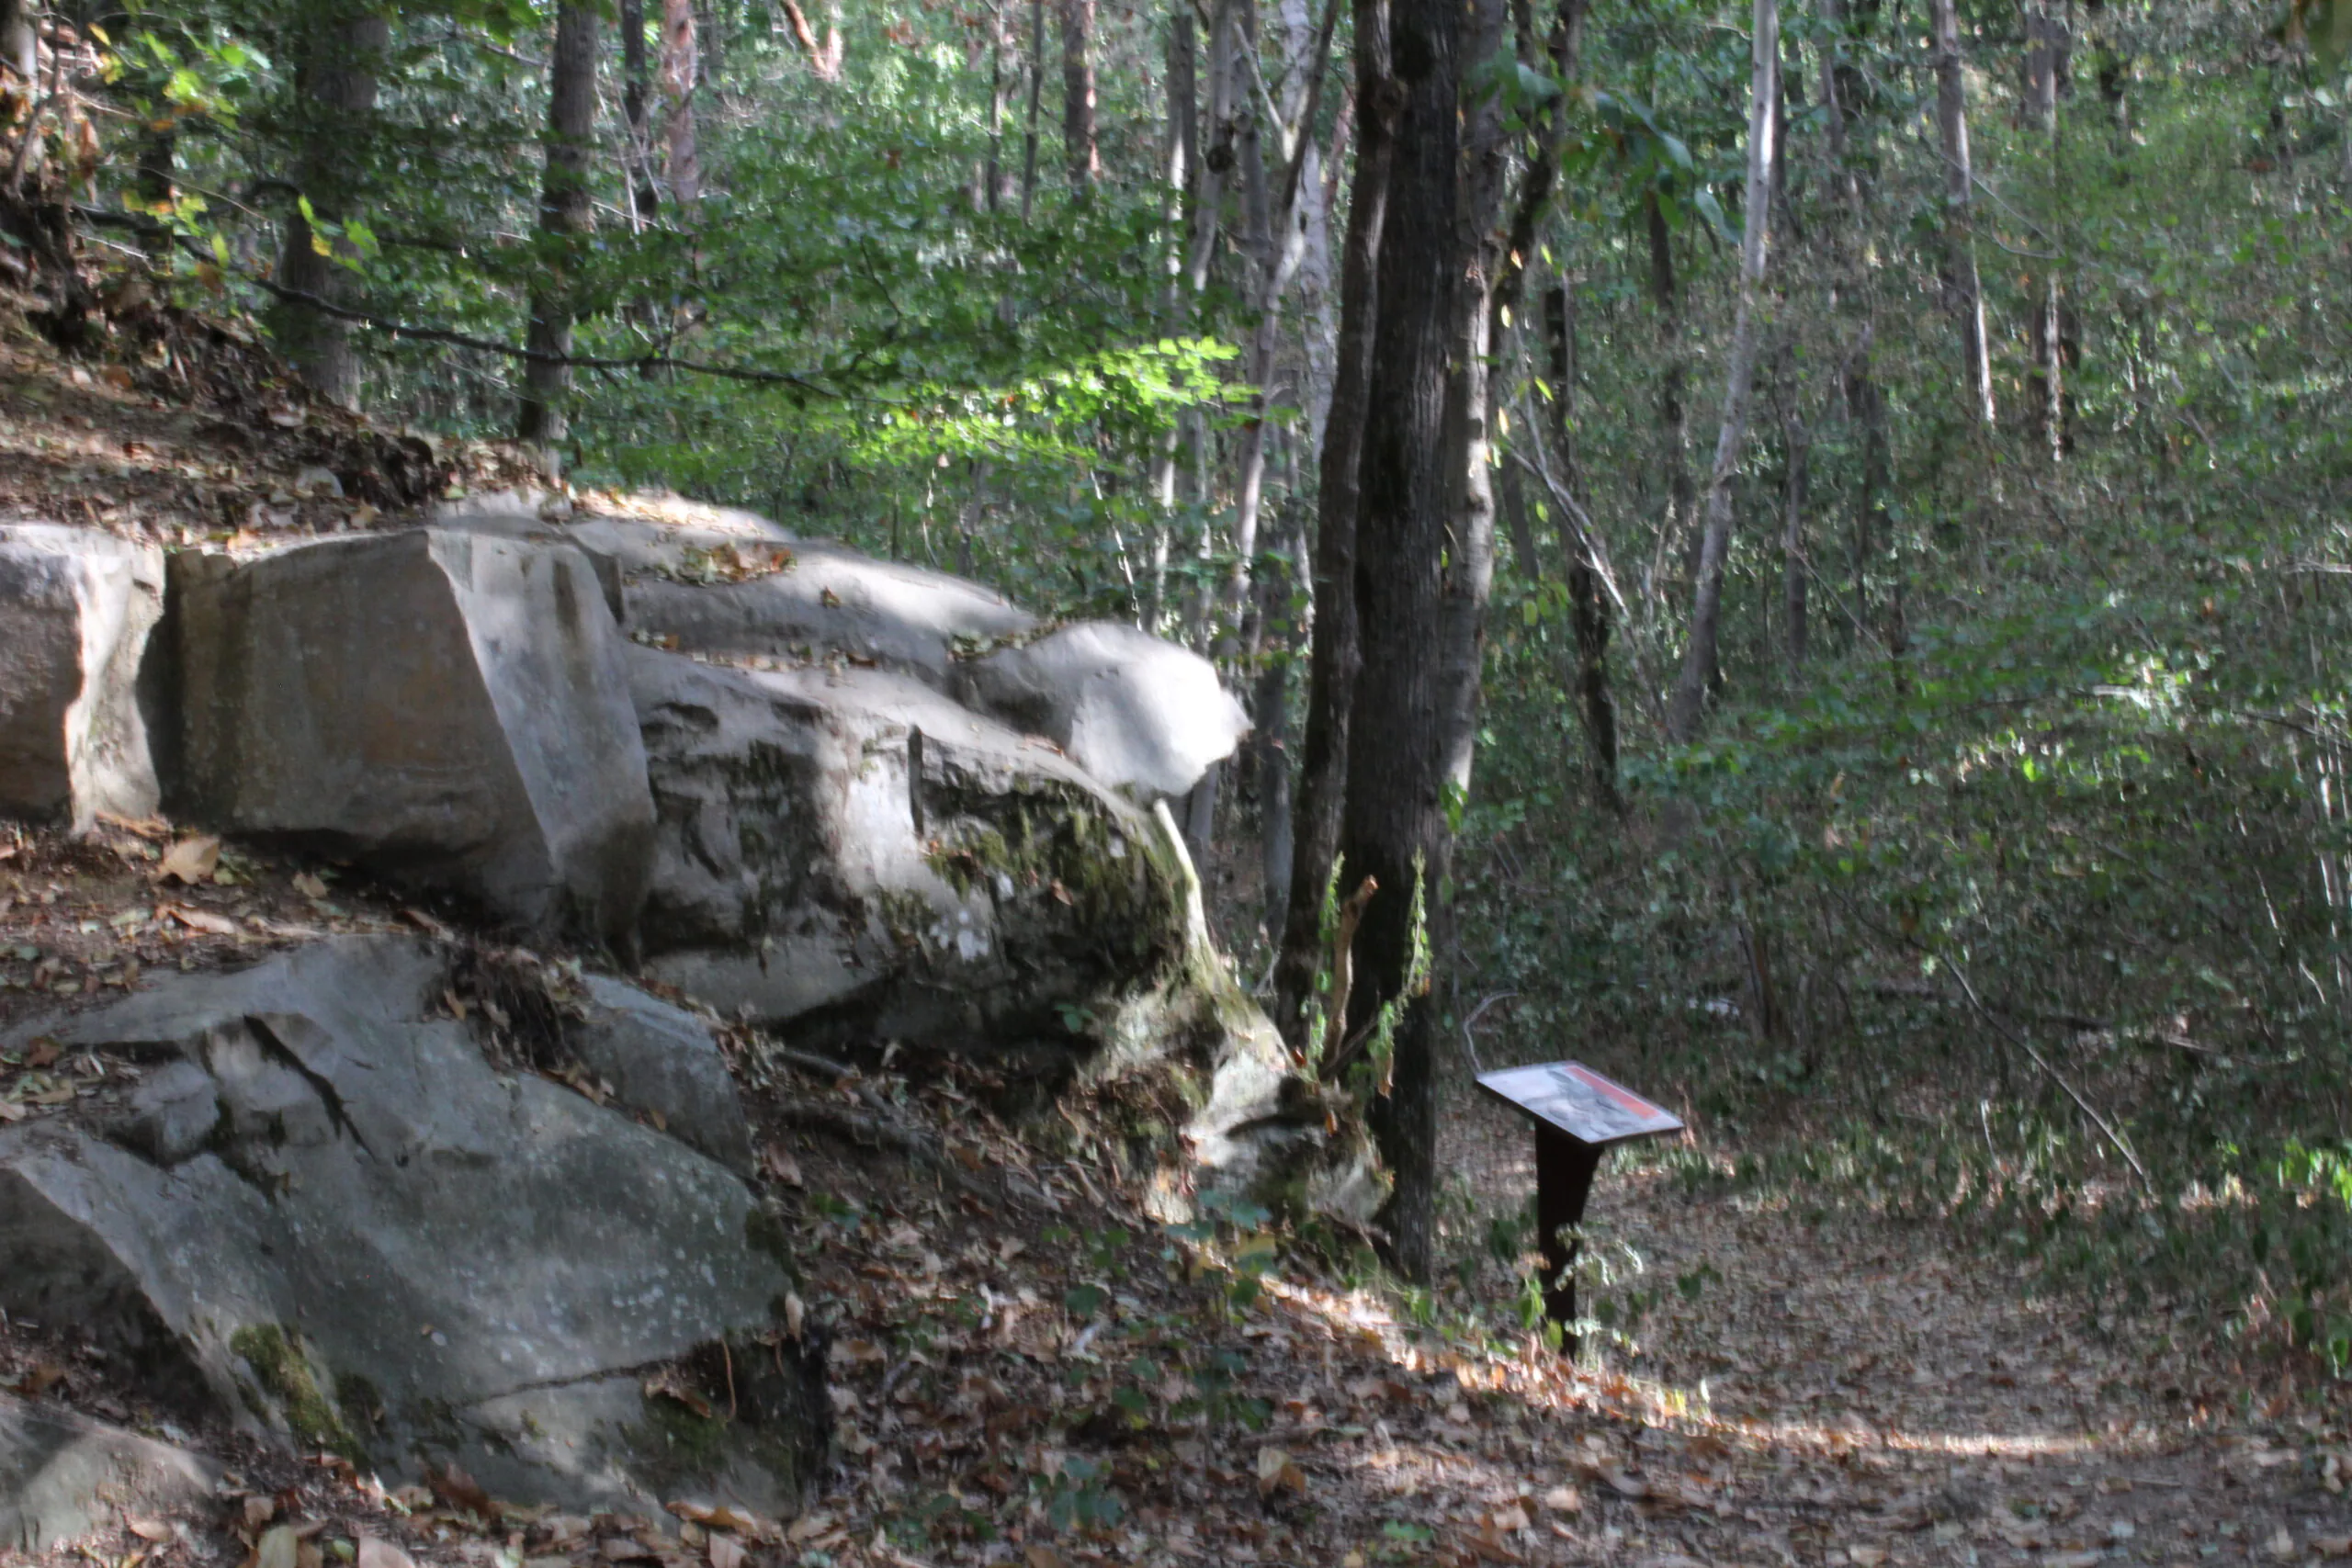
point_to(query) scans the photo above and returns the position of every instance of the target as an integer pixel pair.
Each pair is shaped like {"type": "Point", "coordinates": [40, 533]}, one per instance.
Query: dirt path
{"type": "Point", "coordinates": [1856, 1392]}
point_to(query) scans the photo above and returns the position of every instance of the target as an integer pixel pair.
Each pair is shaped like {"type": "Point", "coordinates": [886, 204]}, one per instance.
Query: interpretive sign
{"type": "Point", "coordinates": [1579, 1115]}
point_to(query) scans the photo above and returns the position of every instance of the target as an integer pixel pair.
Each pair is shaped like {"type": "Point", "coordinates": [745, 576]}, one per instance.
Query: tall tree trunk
{"type": "Point", "coordinates": [1270, 739]}
{"type": "Point", "coordinates": [1587, 608]}
{"type": "Point", "coordinates": [1036, 96]}
{"type": "Point", "coordinates": [1963, 292]}
{"type": "Point", "coordinates": [1078, 96]}
{"type": "Point", "coordinates": [994, 186]}
{"type": "Point", "coordinates": [564, 219]}
{"type": "Point", "coordinates": [1680, 531]}
{"type": "Point", "coordinates": [637, 114]}
{"type": "Point", "coordinates": [336, 81]}
{"type": "Point", "coordinates": [1739, 373]}
{"type": "Point", "coordinates": [1182, 153]}
{"type": "Point", "coordinates": [2045, 57]}
{"type": "Point", "coordinates": [1795, 565]}
{"type": "Point", "coordinates": [680, 65]}
{"type": "Point", "coordinates": [1392, 828]}
{"type": "Point", "coordinates": [1468, 581]}
{"type": "Point", "coordinates": [19, 37]}
{"type": "Point", "coordinates": [1336, 653]}
{"type": "Point", "coordinates": [1280, 253]}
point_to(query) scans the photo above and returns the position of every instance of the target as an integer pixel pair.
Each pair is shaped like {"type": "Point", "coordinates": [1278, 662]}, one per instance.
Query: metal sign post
{"type": "Point", "coordinates": [1579, 1116]}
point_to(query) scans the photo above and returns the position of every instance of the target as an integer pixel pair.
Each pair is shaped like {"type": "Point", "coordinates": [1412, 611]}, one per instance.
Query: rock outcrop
{"type": "Point", "coordinates": [324, 1215]}
{"type": "Point", "coordinates": [64, 1475]}
{"type": "Point", "coordinates": [447, 708]}
{"type": "Point", "coordinates": [1136, 711]}
{"type": "Point", "coordinates": [75, 608]}
{"type": "Point", "coordinates": [854, 855]}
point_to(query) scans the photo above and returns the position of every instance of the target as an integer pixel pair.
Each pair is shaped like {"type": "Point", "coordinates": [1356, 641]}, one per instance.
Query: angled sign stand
{"type": "Point", "coordinates": [1579, 1115]}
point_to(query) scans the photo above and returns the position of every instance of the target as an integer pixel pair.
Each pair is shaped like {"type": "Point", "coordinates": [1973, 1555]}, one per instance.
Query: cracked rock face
{"type": "Point", "coordinates": [853, 854]}
{"type": "Point", "coordinates": [325, 1214]}
{"type": "Point", "coordinates": [448, 707]}
{"type": "Point", "coordinates": [75, 609]}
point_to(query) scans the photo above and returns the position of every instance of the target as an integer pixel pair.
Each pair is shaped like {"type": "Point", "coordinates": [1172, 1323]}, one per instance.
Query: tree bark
{"type": "Point", "coordinates": [1795, 567]}
{"type": "Point", "coordinates": [1182, 154]}
{"type": "Point", "coordinates": [2045, 58]}
{"type": "Point", "coordinates": [1335, 653]}
{"type": "Point", "coordinates": [636, 114]}
{"type": "Point", "coordinates": [1468, 581]}
{"type": "Point", "coordinates": [20, 36]}
{"type": "Point", "coordinates": [564, 219]}
{"type": "Point", "coordinates": [1587, 608]}
{"type": "Point", "coordinates": [1706, 603]}
{"type": "Point", "coordinates": [336, 81]}
{"type": "Point", "coordinates": [1963, 292]}
{"type": "Point", "coordinates": [1036, 96]}
{"type": "Point", "coordinates": [1680, 531]}
{"type": "Point", "coordinates": [1077, 96]}
{"type": "Point", "coordinates": [1393, 828]}
{"type": "Point", "coordinates": [681, 66]}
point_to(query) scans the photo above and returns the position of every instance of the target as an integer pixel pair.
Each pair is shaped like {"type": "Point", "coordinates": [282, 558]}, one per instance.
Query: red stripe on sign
{"type": "Point", "coordinates": [1624, 1097]}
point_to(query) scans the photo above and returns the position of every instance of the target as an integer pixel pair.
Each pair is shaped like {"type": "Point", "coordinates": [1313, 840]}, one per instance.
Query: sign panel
{"type": "Point", "coordinates": [1581, 1102]}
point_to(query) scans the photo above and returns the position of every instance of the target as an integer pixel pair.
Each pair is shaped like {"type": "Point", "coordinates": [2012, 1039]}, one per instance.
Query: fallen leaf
{"type": "Point", "coordinates": [1278, 1472]}
{"type": "Point", "coordinates": [1044, 1557]}
{"type": "Point", "coordinates": [200, 919]}
{"type": "Point", "coordinates": [2332, 1545]}
{"type": "Point", "coordinates": [1564, 1500]}
{"type": "Point", "coordinates": [2072, 1559]}
{"type": "Point", "coordinates": [44, 1054]}
{"type": "Point", "coordinates": [2282, 1544]}
{"type": "Point", "coordinates": [1866, 1556]}
{"type": "Point", "coordinates": [462, 1491]}
{"type": "Point", "coordinates": [725, 1552]}
{"type": "Point", "coordinates": [148, 1530]}
{"type": "Point", "coordinates": [259, 1511]}
{"type": "Point", "coordinates": [192, 859]}
{"type": "Point", "coordinates": [279, 1547]}
{"type": "Point", "coordinates": [1511, 1518]}
{"type": "Point", "coordinates": [309, 887]}
{"type": "Point", "coordinates": [11, 1112]}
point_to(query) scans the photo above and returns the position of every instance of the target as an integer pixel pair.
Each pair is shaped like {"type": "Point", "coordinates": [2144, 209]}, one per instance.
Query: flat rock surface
{"type": "Point", "coordinates": [63, 1474]}
{"type": "Point", "coordinates": [324, 1213]}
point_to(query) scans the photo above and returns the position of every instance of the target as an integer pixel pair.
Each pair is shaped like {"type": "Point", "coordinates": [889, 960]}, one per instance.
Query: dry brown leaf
{"type": "Point", "coordinates": [1866, 1556]}
{"type": "Point", "coordinates": [11, 1112]}
{"type": "Point", "coordinates": [259, 1511]}
{"type": "Point", "coordinates": [148, 1530]}
{"type": "Point", "coordinates": [200, 919]}
{"type": "Point", "coordinates": [192, 860]}
{"type": "Point", "coordinates": [1278, 1472]}
{"type": "Point", "coordinates": [308, 886]}
{"type": "Point", "coordinates": [1040, 1556]}
{"type": "Point", "coordinates": [279, 1547]}
{"type": "Point", "coordinates": [1564, 1500]}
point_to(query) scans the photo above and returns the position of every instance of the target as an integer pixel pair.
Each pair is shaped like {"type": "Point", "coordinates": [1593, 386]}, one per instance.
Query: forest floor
{"type": "Point", "coordinates": [1028, 1371]}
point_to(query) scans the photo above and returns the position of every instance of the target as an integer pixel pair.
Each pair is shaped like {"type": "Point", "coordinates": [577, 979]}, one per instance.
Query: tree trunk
{"type": "Point", "coordinates": [680, 67]}
{"type": "Point", "coordinates": [1393, 828]}
{"type": "Point", "coordinates": [2045, 61]}
{"type": "Point", "coordinates": [1270, 740]}
{"type": "Point", "coordinates": [1961, 291]}
{"type": "Point", "coordinates": [1680, 527]}
{"type": "Point", "coordinates": [1468, 581]}
{"type": "Point", "coordinates": [1588, 608]}
{"type": "Point", "coordinates": [1795, 567]}
{"type": "Point", "coordinates": [1036, 96]}
{"type": "Point", "coordinates": [564, 219]}
{"type": "Point", "coordinates": [1078, 96]}
{"type": "Point", "coordinates": [1183, 152]}
{"type": "Point", "coordinates": [19, 37]}
{"type": "Point", "coordinates": [1335, 654]}
{"type": "Point", "coordinates": [337, 83]}
{"type": "Point", "coordinates": [1706, 601]}
{"type": "Point", "coordinates": [994, 185]}
{"type": "Point", "coordinates": [636, 114]}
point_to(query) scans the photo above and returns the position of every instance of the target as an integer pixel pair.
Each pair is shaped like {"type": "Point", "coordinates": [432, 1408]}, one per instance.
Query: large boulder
{"type": "Point", "coordinates": [852, 852]}
{"type": "Point", "coordinates": [75, 608]}
{"type": "Point", "coordinates": [64, 1475]}
{"type": "Point", "coordinates": [1136, 711]}
{"type": "Point", "coordinates": [449, 707]}
{"type": "Point", "coordinates": [324, 1215]}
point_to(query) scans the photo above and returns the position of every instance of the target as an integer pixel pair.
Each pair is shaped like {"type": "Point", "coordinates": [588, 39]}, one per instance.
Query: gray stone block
{"type": "Point", "coordinates": [75, 607]}
{"type": "Point", "coordinates": [64, 1475]}
{"type": "Point", "coordinates": [448, 707]}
